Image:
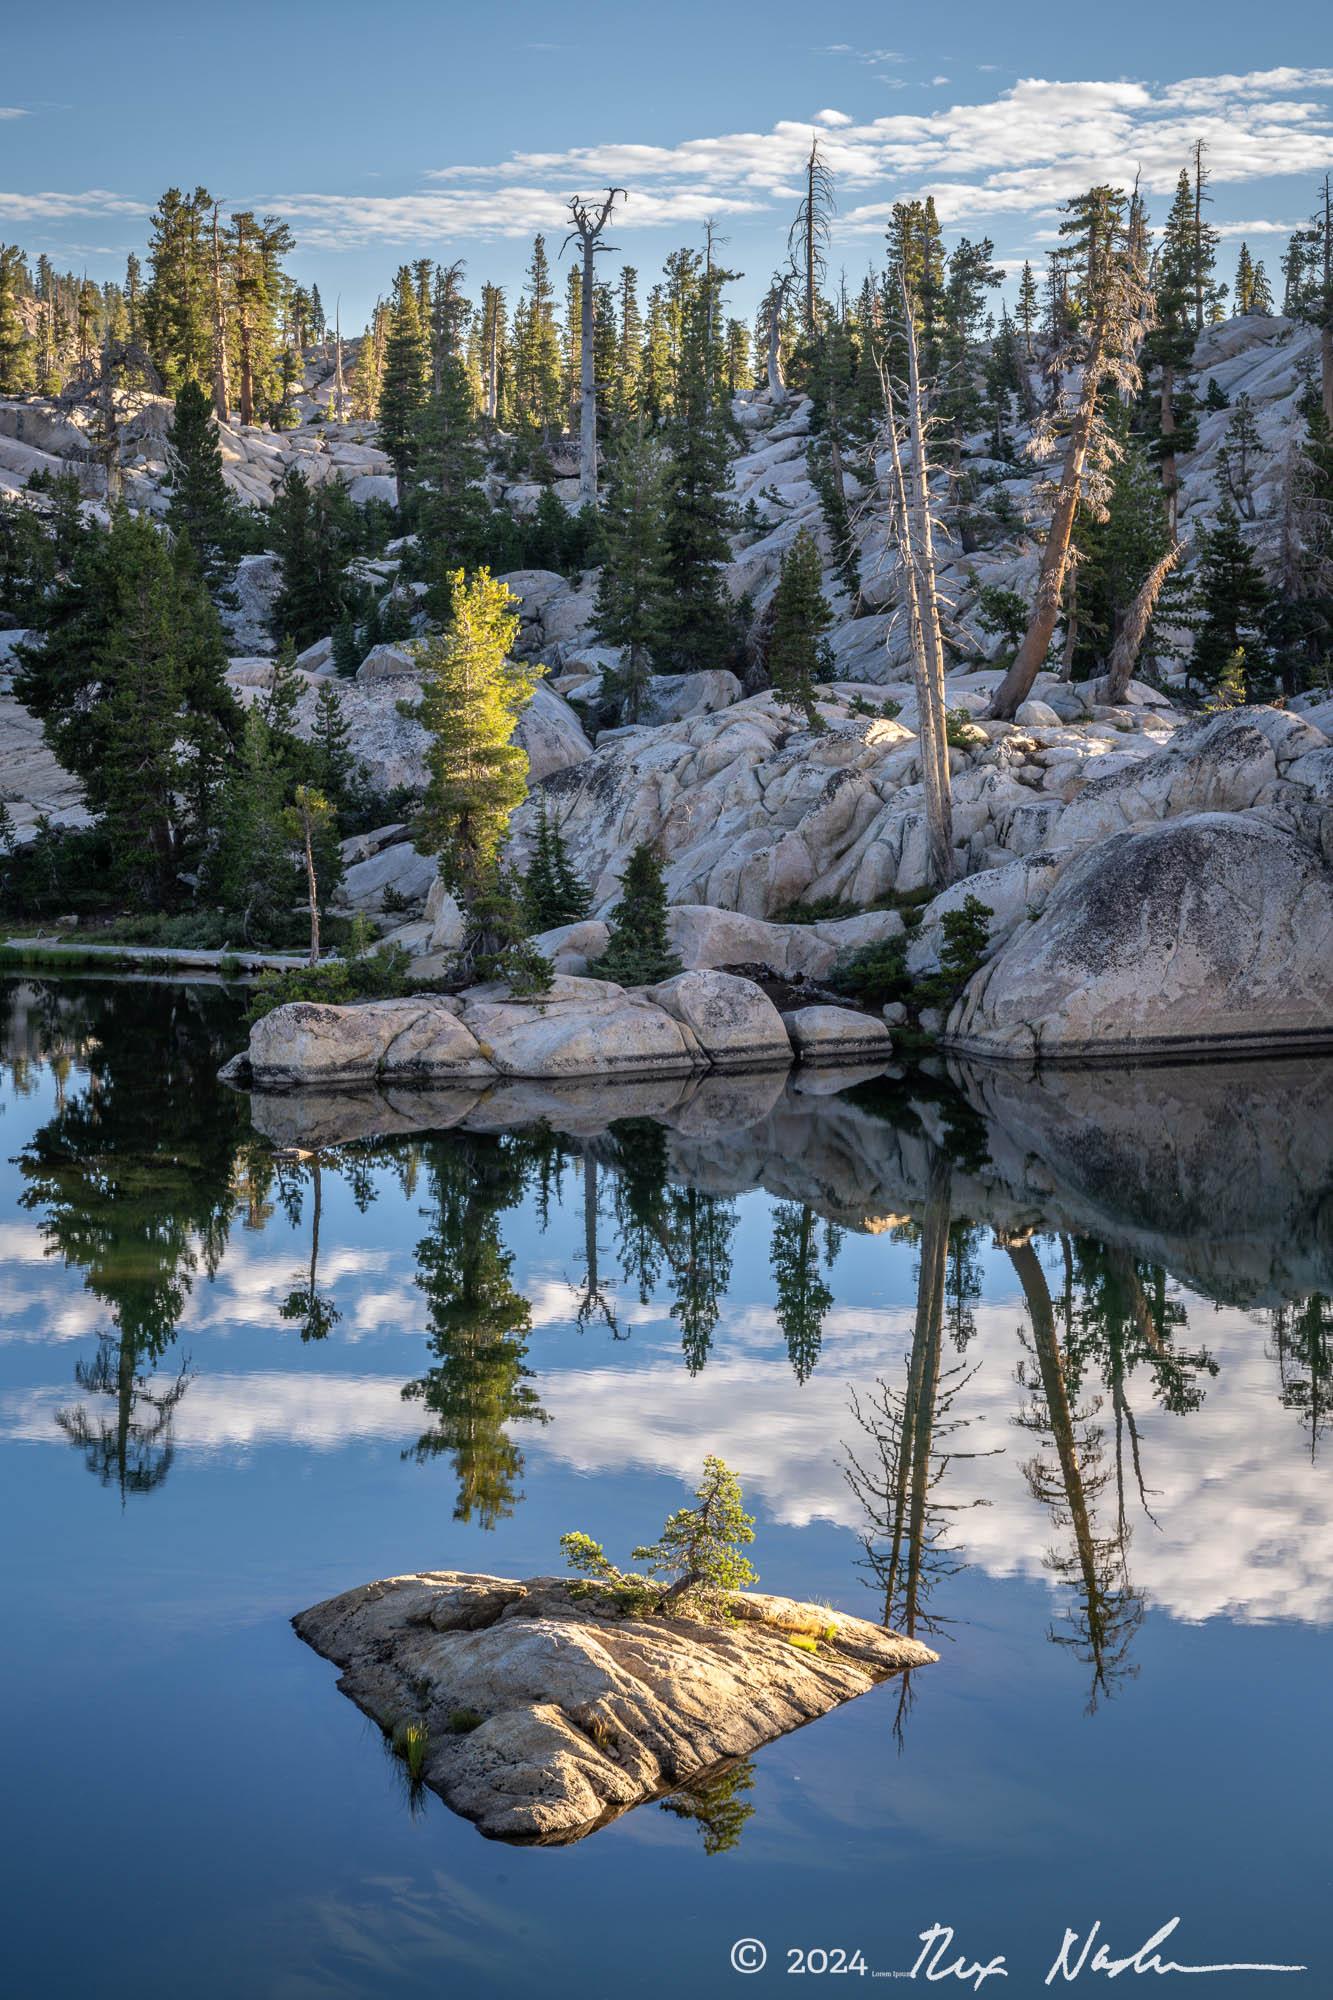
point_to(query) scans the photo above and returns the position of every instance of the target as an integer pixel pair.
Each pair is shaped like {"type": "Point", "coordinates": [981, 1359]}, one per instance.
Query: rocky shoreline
{"type": "Point", "coordinates": [580, 1028]}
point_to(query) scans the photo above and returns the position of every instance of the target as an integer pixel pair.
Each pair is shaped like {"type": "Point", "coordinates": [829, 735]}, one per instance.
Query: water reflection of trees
{"type": "Point", "coordinates": [1067, 1474]}
{"type": "Point", "coordinates": [132, 1179]}
{"type": "Point", "coordinates": [479, 1382]}
{"type": "Point", "coordinates": [898, 1472]}
{"type": "Point", "coordinates": [1302, 1346]}
{"type": "Point", "coordinates": [717, 1804]}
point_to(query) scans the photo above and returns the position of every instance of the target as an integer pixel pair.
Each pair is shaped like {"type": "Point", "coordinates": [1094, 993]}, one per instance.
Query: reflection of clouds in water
{"type": "Point", "coordinates": [1246, 1521]}
{"type": "Point", "coordinates": [48, 1312]}
{"type": "Point", "coordinates": [234, 1412]}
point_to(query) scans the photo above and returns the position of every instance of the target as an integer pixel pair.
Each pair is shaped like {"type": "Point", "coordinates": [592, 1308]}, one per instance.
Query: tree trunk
{"type": "Point", "coordinates": [1113, 687]}
{"type": "Point", "coordinates": [918, 569]}
{"type": "Point", "coordinates": [928, 610]}
{"type": "Point", "coordinates": [587, 385]}
{"type": "Point", "coordinates": [1167, 427]}
{"type": "Point", "coordinates": [312, 886]}
{"type": "Point", "coordinates": [221, 388]}
{"type": "Point", "coordinates": [777, 388]}
{"type": "Point", "coordinates": [1017, 683]}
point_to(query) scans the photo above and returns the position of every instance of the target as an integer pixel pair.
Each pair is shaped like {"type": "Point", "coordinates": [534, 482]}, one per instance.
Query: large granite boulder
{"type": "Point", "coordinates": [733, 1020]}
{"type": "Point", "coordinates": [581, 1027]}
{"type": "Point", "coordinates": [548, 1710]}
{"type": "Point", "coordinates": [247, 617]}
{"type": "Point", "coordinates": [837, 1034]}
{"type": "Point", "coordinates": [551, 733]}
{"type": "Point", "coordinates": [308, 1042]}
{"type": "Point", "coordinates": [1211, 934]}
{"type": "Point", "coordinates": [399, 872]}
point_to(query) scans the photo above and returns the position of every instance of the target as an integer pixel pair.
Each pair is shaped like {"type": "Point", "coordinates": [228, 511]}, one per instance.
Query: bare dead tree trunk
{"type": "Point", "coordinates": [1129, 640]}
{"type": "Point", "coordinates": [1167, 427]}
{"type": "Point", "coordinates": [774, 303]}
{"type": "Point", "coordinates": [493, 364]}
{"type": "Point", "coordinates": [1325, 329]}
{"type": "Point", "coordinates": [313, 889]}
{"type": "Point", "coordinates": [221, 387]}
{"type": "Point", "coordinates": [916, 552]}
{"type": "Point", "coordinates": [1017, 683]}
{"type": "Point", "coordinates": [589, 225]}
{"type": "Point", "coordinates": [339, 393]}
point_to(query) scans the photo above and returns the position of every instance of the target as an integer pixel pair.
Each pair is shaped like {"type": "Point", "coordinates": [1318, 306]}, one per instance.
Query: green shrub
{"type": "Point", "coordinates": [966, 934]}
{"type": "Point", "coordinates": [462, 1721]}
{"type": "Point", "coordinates": [376, 975]}
{"type": "Point", "coordinates": [874, 975]}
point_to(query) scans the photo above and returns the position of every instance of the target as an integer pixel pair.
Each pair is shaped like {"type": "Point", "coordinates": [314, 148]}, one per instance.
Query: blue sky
{"type": "Point", "coordinates": [409, 129]}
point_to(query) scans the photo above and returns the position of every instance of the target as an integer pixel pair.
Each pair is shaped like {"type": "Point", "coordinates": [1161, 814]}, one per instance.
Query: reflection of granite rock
{"type": "Point", "coordinates": [1221, 1172]}
{"type": "Point", "coordinates": [584, 1712]}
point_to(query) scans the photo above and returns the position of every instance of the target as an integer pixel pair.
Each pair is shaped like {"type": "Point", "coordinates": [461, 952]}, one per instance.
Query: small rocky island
{"type": "Point", "coordinates": [544, 1709]}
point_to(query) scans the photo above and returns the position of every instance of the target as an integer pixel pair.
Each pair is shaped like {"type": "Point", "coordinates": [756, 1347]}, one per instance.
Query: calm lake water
{"type": "Point", "coordinates": [1044, 1368]}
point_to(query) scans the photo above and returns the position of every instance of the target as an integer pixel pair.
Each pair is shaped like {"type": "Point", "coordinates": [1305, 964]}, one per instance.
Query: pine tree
{"type": "Point", "coordinates": [629, 344]}
{"type": "Point", "coordinates": [552, 889]}
{"type": "Point", "coordinates": [1238, 456]}
{"type": "Point", "coordinates": [472, 695]}
{"type": "Point", "coordinates": [1243, 293]}
{"type": "Point", "coordinates": [1204, 239]}
{"type": "Point", "coordinates": [402, 395]}
{"type": "Point", "coordinates": [249, 869]}
{"type": "Point", "coordinates": [177, 309]}
{"type": "Point", "coordinates": [629, 588]}
{"type": "Point", "coordinates": [347, 650]}
{"type": "Point", "coordinates": [694, 619]}
{"type": "Point", "coordinates": [1028, 307]}
{"type": "Point", "coordinates": [282, 700]}
{"type": "Point", "coordinates": [638, 951]}
{"type": "Point", "coordinates": [536, 351]}
{"type": "Point", "coordinates": [18, 364]}
{"type": "Point", "coordinates": [315, 534]}
{"type": "Point", "coordinates": [1233, 602]}
{"type": "Point", "coordinates": [331, 739]}
{"type": "Point", "coordinates": [798, 652]}
{"type": "Point", "coordinates": [129, 685]}
{"type": "Point", "coordinates": [453, 515]}
{"type": "Point", "coordinates": [200, 505]}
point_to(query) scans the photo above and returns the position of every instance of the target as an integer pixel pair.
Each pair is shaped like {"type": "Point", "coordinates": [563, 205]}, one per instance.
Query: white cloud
{"type": "Point", "coordinates": [12, 111]}
{"type": "Point", "coordinates": [55, 207]}
{"type": "Point", "coordinates": [1021, 151]}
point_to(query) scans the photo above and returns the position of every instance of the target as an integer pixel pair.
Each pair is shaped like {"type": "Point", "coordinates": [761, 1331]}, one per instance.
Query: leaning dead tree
{"type": "Point", "coordinates": [1114, 684]}
{"type": "Point", "coordinates": [914, 532]}
{"type": "Point", "coordinates": [589, 224]}
{"type": "Point", "coordinates": [1115, 281]}
{"type": "Point", "coordinates": [773, 307]}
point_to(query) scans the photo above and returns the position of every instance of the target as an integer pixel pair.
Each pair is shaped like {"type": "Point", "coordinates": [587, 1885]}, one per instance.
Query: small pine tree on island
{"type": "Point", "coordinates": [798, 652]}
{"type": "Point", "coordinates": [553, 890]}
{"type": "Point", "coordinates": [697, 1556]}
{"type": "Point", "coordinates": [638, 951]}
